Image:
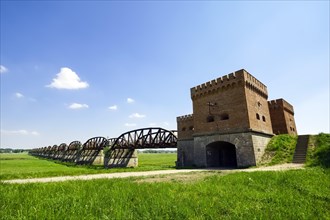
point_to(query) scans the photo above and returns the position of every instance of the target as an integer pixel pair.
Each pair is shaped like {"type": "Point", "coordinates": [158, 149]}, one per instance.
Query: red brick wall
{"type": "Point", "coordinates": [282, 116]}
{"type": "Point", "coordinates": [185, 127]}
{"type": "Point", "coordinates": [235, 103]}
{"type": "Point", "coordinates": [240, 96]}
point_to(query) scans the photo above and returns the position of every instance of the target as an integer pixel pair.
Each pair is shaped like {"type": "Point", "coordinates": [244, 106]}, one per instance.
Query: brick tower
{"type": "Point", "coordinates": [231, 123]}
{"type": "Point", "coordinates": [282, 116]}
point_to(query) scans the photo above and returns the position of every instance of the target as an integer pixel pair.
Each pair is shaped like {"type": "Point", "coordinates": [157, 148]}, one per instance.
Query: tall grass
{"type": "Point", "coordinates": [17, 166]}
{"type": "Point", "coordinates": [299, 194]}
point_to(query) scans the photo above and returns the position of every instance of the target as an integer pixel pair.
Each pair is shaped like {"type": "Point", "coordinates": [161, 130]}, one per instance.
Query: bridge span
{"type": "Point", "coordinates": [121, 151]}
{"type": "Point", "coordinates": [145, 138]}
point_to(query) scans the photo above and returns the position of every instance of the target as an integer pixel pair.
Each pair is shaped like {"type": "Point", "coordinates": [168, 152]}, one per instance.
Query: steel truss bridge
{"type": "Point", "coordinates": [120, 149]}
{"type": "Point", "coordinates": [145, 138]}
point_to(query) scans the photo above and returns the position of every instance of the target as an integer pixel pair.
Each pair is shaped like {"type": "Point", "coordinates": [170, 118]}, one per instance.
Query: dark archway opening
{"type": "Point", "coordinates": [221, 154]}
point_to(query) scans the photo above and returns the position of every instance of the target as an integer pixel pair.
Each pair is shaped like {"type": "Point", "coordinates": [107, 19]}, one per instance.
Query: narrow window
{"type": "Point", "coordinates": [191, 128]}
{"type": "Point", "coordinates": [224, 116]}
{"type": "Point", "coordinates": [210, 118]}
{"type": "Point", "coordinates": [184, 128]}
{"type": "Point", "coordinates": [258, 116]}
{"type": "Point", "coordinates": [263, 118]}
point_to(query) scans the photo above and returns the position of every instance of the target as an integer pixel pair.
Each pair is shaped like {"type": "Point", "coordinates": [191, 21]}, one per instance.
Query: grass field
{"type": "Point", "coordinates": [22, 165]}
{"type": "Point", "coordinates": [297, 194]}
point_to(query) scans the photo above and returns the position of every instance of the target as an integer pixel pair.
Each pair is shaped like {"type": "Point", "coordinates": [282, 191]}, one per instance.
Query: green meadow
{"type": "Point", "coordinates": [22, 165]}
{"type": "Point", "coordinates": [294, 194]}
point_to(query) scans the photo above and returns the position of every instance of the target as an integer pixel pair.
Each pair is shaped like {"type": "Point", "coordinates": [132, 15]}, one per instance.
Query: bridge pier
{"type": "Point", "coordinates": [121, 158]}
{"type": "Point", "coordinates": [99, 159]}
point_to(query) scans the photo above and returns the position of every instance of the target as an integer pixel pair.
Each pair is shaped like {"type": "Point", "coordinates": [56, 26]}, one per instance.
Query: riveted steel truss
{"type": "Point", "coordinates": [91, 149]}
{"type": "Point", "coordinates": [121, 148]}
{"type": "Point", "coordinates": [72, 152]}
{"type": "Point", "coordinates": [146, 138]}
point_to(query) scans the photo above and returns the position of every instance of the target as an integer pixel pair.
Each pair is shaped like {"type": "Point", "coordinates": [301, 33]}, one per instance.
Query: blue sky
{"type": "Point", "coordinates": [74, 70]}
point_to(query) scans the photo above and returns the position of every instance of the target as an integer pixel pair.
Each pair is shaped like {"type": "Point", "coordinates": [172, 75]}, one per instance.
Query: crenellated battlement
{"type": "Point", "coordinates": [185, 118]}
{"type": "Point", "coordinates": [255, 85]}
{"type": "Point", "coordinates": [282, 104]}
{"type": "Point", "coordinates": [229, 81]}
{"type": "Point", "coordinates": [185, 126]}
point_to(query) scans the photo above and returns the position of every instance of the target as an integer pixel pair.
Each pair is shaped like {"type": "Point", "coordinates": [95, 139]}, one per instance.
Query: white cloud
{"type": "Point", "coordinates": [152, 124]}
{"type": "Point", "coordinates": [67, 79]}
{"type": "Point", "coordinates": [114, 107]}
{"type": "Point", "coordinates": [137, 115]}
{"type": "Point", "coordinates": [78, 106]}
{"type": "Point", "coordinates": [130, 124]}
{"type": "Point", "coordinates": [130, 100]}
{"type": "Point", "coordinates": [3, 69]}
{"type": "Point", "coordinates": [19, 132]}
{"type": "Point", "coordinates": [19, 95]}
{"type": "Point", "coordinates": [35, 133]}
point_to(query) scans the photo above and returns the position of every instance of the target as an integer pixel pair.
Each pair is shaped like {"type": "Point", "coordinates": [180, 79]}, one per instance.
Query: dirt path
{"type": "Point", "coordinates": [281, 167]}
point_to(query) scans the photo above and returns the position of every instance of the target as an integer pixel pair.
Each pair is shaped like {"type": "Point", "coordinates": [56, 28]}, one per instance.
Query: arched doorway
{"type": "Point", "coordinates": [221, 154]}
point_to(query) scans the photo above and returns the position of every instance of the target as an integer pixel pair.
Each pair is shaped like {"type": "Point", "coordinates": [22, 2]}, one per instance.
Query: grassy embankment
{"type": "Point", "coordinates": [296, 194]}
{"type": "Point", "coordinates": [17, 166]}
{"type": "Point", "coordinates": [318, 153]}
{"type": "Point", "coordinates": [281, 150]}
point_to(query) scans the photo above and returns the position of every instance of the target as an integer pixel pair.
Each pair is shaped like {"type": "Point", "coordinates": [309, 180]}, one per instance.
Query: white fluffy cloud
{"type": "Point", "coordinates": [34, 133]}
{"type": "Point", "coordinates": [130, 100]}
{"type": "Point", "coordinates": [67, 79]}
{"type": "Point", "coordinates": [114, 107]}
{"type": "Point", "coordinates": [136, 115]}
{"type": "Point", "coordinates": [19, 132]}
{"type": "Point", "coordinates": [78, 106]}
{"type": "Point", "coordinates": [3, 69]}
{"type": "Point", "coordinates": [130, 124]}
{"type": "Point", "coordinates": [19, 95]}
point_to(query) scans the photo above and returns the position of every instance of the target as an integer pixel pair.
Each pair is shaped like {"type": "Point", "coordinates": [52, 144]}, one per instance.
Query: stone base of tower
{"type": "Point", "coordinates": [236, 150]}
{"type": "Point", "coordinates": [185, 153]}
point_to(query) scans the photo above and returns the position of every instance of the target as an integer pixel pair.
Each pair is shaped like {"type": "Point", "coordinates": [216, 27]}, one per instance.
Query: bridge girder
{"type": "Point", "coordinates": [145, 138]}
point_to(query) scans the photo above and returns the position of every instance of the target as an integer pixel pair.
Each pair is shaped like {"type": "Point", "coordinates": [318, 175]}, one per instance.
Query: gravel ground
{"type": "Point", "coordinates": [281, 167]}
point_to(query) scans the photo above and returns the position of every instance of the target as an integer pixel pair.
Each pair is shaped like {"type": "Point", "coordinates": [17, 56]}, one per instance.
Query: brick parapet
{"type": "Point", "coordinates": [281, 103]}
{"type": "Point", "coordinates": [185, 118]}
{"type": "Point", "coordinates": [185, 127]}
{"type": "Point", "coordinates": [255, 85]}
{"type": "Point", "coordinates": [229, 81]}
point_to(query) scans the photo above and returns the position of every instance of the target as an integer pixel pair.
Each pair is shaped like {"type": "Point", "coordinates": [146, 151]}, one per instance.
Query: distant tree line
{"type": "Point", "coordinates": [10, 150]}
{"type": "Point", "coordinates": [157, 151]}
